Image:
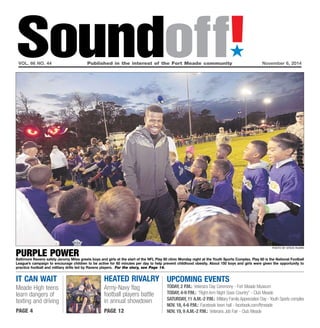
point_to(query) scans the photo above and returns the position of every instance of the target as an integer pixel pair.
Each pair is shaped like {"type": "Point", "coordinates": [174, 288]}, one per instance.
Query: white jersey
{"type": "Point", "coordinates": [29, 229]}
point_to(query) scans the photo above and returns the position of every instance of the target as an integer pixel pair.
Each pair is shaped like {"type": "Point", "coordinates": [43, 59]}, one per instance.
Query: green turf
{"type": "Point", "coordinates": [209, 148]}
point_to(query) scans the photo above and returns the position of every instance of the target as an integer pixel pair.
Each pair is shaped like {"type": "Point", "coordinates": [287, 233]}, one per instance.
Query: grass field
{"type": "Point", "coordinates": [209, 148]}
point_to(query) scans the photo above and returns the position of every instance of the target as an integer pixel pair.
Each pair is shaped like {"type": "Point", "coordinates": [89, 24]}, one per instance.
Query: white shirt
{"type": "Point", "coordinates": [29, 229]}
{"type": "Point", "coordinates": [58, 159]}
{"type": "Point", "coordinates": [21, 158]}
{"type": "Point", "coordinates": [172, 147]}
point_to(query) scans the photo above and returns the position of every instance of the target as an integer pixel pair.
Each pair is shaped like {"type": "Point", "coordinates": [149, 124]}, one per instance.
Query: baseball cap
{"type": "Point", "coordinates": [30, 144]}
{"type": "Point", "coordinates": [22, 170]}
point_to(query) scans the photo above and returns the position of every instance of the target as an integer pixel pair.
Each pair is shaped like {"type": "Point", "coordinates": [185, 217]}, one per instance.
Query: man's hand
{"type": "Point", "coordinates": [184, 212]}
{"type": "Point", "coordinates": [261, 213]}
{"type": "Point", "coordinates": [182, 192]}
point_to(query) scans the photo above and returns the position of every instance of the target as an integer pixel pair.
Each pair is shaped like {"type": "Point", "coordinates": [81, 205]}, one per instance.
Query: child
{"type": "Point", "coordinates": [102, 160]}
{"type": "Point", "coordinates": [198, 169]}
{"type": "Point", "coordinates": [255, 181]}
{"type": "Point", "coordinates": [116, 175]}
{"type": "Point", "coordinates": [87, 305]}
{"type": "Point", "coordinates": [183, 176]}
{"type": "Point", "coordinates": [203, 187]}
{"type": "Point", "coordinates": [75, 163]}
{"type": "Point", "coordinates": [88, 170]}
{"type": "Point", "coordinates": [76, 206]}
{"type": "Point", "coordinates": [207, 159]}
{"type": "Point", "coordinates": [103, 173]}
{"type": "Point", "coordinates": [116, 178]}
{"type": "Point", "coordinates": [21, 175]}
{"type": "Point", "coordinates": [195, 186]}
{"type": "Point", "coordinates": [189, 158]}
{"type": "Point", "coordinates": [39, 177]}
{"type": "Point", "coordinates": [223, 151]}
{"type": "Point", "coordinates": [32, 161]}
{"type": "Point", "coordinates": [77, 297]}
{"type": "Point", "coordinates": [69, 298]}
{"type": "Point", "coordinates": [283, 216]}
{"type": "Point", "coordinates": [116, 221]}
{"type": "Point", "coordinates": [213, 226]}
{"type": "Point", "coordinates": [222, 195]}
{"type": "Point", "coordinates": [54, 194]}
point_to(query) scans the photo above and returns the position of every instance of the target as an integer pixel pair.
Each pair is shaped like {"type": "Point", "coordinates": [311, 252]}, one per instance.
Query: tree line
{"type": "Point", "coordinates": [106, 117]}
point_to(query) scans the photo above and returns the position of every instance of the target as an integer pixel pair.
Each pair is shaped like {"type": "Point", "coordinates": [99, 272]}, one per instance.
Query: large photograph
{"type": "Point", "coordinates": [160, 158]}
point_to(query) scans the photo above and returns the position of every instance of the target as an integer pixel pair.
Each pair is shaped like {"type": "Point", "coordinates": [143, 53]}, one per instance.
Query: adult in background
{"type": "Point", "coordinates": [93, 149]}
{"type": "Point", "coordinates": [222, 137]}
{"type": "Point", "coordinates": [29, 149]}
{"type": "Point", "coordinates": [298, 130]}
{"type": "Point", "coordinates": [146, 170]}
{"type": "Point", "coordinates": [59, 165]}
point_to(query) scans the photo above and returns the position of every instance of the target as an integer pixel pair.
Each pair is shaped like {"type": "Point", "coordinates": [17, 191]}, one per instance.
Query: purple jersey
{"type": "Point", "coordinates": [286, 183]}
{"type": "Point", "coordinates": [21, 183]}
{"type": "Point", "coordinates": [54, 222]}
{"type": "Point", "coordinates": [106, 170]}
{"type": "Point", "coordinates": [87, 234]}
{"type": "Point", "coordinates": [182, 175]}
{"type": "Point", "coordinates": [38, 201]}
{"type": "Point", "coordinates": [116, 173]}
{"type": "Point", "coordinates": [222, 196]}
{"type": "Point", "coordinates": [188, 163]}
{"type": "Point", "coordinates": [112, 172]}
{"type": "Point", "coordinates": [230, 174]}
{"type": "Point", "coordinates": [254, 185]}
{"type": "Point", "coordinates": [74, 161]}
{"type": "Point", "coordinates": [101, 164]}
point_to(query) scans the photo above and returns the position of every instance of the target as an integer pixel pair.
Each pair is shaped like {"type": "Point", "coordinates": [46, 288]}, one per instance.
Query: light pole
{"type": "Point", "coordinates": [239, 115]}
{"type": "Point", "coordinates": [189, 107]}
{"type": "Point", "coordinates": [266, 102]}
{"type": "Point", "coordinates": [104, 119]}
{"type": "Point", "coordinates": [246, 92]}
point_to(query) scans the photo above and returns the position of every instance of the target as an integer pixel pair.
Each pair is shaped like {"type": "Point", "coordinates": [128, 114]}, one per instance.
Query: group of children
{"type": "Point", "coordinates": [83, 298]}
{"type": "Point", "coordinates": [216, 191]}
{"type": "Point", "coordinates": [271, 209]}
{"type": "Point", "coordinates": [272, 194]}
{"type": "Point", "coordinates": [95, 171]}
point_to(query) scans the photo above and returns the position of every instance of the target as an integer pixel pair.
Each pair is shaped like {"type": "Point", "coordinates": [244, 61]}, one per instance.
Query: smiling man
{"type": "Point", "coordinates": [146, 170]}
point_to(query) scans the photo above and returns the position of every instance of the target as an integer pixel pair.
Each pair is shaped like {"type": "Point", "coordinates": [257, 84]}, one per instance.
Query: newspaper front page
{"type": "Point", "coordinates": [241, 66]}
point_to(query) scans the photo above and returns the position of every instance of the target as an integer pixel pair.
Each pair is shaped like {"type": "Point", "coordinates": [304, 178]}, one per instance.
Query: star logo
{"type": "Point", "coordinates": [236, 51]}
{"type": "Point", "coordinates": [77, 242]}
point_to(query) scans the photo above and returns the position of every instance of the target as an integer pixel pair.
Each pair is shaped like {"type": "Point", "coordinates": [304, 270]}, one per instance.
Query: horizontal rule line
{"type": "Point", "coordinates": [160, 66]}
{"type": "Point", "coordinates": [186, 271]}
